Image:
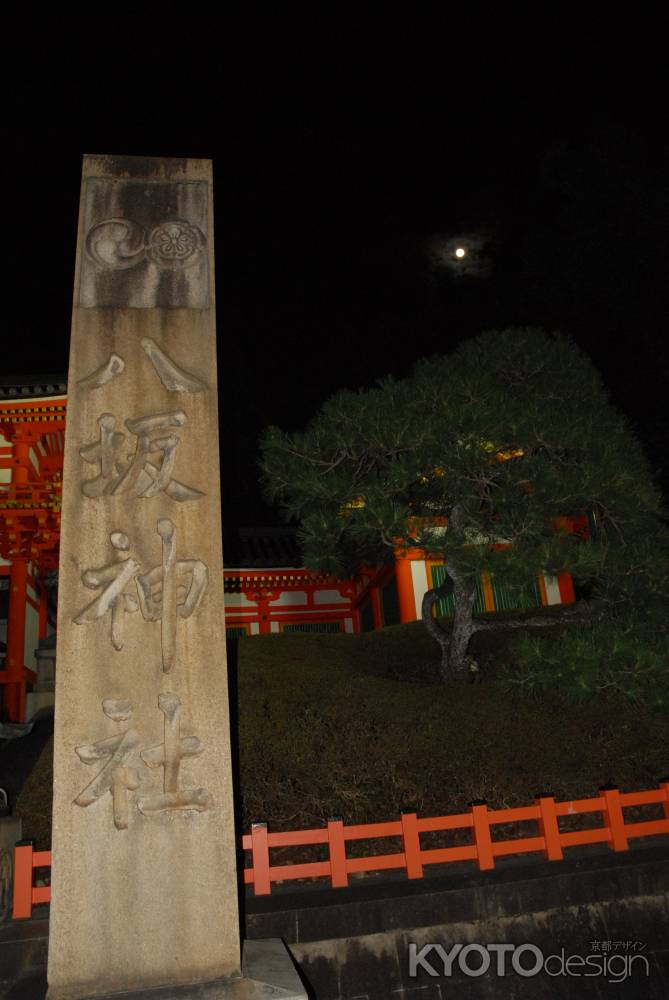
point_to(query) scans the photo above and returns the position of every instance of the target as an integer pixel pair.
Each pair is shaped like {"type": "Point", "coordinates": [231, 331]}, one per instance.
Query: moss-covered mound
{"type": "Point", "coordinates": [358, 726]}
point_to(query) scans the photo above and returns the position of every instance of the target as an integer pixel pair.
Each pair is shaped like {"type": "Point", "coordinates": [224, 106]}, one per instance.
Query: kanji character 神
{"type": "Point", "coordinates": [172, 589]}
{"type": "Point", "coordinates": [114, 578]}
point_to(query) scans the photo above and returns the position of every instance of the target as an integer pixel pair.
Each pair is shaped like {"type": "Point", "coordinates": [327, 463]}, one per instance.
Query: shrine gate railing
{"type": "Point", "coordinates": [550, 840]}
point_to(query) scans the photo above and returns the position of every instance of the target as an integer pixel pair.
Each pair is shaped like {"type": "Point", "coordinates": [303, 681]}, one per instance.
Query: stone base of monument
{"type": "Point", "coordinates": [267, 971]}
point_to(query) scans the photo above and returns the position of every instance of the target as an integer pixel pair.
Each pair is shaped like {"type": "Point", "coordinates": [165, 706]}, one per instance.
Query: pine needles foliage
{"type": "Point", "coordinates": [500, 439]}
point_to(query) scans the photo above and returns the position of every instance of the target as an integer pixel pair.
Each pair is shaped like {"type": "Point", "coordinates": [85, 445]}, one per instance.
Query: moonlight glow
{"type": "Point", "coordinates": [466, 254]}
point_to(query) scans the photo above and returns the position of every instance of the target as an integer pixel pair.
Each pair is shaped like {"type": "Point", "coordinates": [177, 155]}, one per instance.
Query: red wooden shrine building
{"type": "Point", "coordinates": [267, 589]}
{"type": "Point", "coordinates": [32, 427]}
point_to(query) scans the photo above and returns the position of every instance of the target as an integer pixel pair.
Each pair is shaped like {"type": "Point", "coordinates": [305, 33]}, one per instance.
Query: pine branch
{"type": "Point", "coordinates": [582, 611]}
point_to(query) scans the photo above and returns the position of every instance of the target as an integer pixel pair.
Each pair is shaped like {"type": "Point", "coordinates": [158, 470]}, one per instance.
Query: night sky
{"type": "Point", "coordinates": [335, 233]}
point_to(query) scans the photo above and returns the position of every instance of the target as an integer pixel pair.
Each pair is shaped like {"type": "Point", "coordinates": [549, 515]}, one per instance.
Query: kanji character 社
{"type": "Point", "coordinates": [116, 776]}
{"type": "Point", "coordinates": [168, 756]}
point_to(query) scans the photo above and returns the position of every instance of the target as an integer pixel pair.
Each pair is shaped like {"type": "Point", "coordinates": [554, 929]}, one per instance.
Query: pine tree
{"type": "Point", "coordinates": [475, 457]}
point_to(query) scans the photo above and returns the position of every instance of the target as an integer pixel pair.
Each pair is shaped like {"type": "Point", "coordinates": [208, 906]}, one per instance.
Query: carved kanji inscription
{"type": "Point", "coordinates": [141, 601]}
{"type": "Point", "coordinates": [148, 471]}
{"type": "Point", "coordinates": [117, 709]}
{"type": "Point", "coordinates": [112, 579]}
{"type": "Point", "coordinates": [168, 755]}
{"type": "Point", "coordinates": [116, 776]}
{"type": "Point", "coordinates": [171, 590]}
{"type": "Point", "coordinates": [105, 373]}
{"type": "Point", "coordinates": [170, 374]}
{"type": "Point", "coordinates": [119, 753]}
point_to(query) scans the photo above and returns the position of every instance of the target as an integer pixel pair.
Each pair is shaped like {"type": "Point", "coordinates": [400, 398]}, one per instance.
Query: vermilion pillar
{"type": "Point", "coordinates": [43, 614]}
{"type": "Point", "coordinates": [377, 611]}
{"type": "Point", "coordinates": [566, 585]}
{"type": "Point", "coordinates": [404, 580]}
{"type": "Point", "coordinates": [15, 689]}
{"type": "Point", "coordinates": [21, 460]}
{"type": "Point", "coordinates": [488, 596]}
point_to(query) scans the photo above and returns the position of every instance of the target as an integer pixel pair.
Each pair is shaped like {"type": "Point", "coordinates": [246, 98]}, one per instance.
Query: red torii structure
{"type": "Point", "coordinates": [33, 430]}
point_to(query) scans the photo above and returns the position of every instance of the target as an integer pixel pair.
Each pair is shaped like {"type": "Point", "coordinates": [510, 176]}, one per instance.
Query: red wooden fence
{"type": "Point", "coordinates": [27, 895]}
{"type": "Point", "coordinates": [550, 840]}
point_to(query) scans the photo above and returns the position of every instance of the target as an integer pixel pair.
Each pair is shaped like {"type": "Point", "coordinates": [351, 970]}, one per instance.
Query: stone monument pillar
{"type": "Point", "coordinates": [144, 889]}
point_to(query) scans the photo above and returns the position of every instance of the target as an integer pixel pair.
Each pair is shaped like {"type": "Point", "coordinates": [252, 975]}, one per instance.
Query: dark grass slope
{"type": "Point", "coordinates": [359, 726]}
{"type": "Point", "coordinates": [18, 757]}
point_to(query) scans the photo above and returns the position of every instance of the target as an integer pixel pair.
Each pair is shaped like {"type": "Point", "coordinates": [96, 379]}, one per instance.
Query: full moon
{"type": "Point", "coordinates": [465, 254]}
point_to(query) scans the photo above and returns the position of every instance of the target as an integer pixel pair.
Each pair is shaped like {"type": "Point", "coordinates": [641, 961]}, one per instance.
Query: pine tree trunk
{"type": "Point", "coordinates": [456, 664]}
{"type": "Point", "coordinates": [463, 629]}
{"type": "Point", "coordinates": [435, 630]}
{"type": "Point", "coordinates": [455, 661]}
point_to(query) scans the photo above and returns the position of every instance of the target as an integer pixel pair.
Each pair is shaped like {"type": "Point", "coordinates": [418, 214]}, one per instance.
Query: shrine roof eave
{"type": "Point", "coordinates": [28, 388]}
{"type": "Point", "coordinates": [288, 573]}
{"type": "Point", "coordinates": [262, 570]}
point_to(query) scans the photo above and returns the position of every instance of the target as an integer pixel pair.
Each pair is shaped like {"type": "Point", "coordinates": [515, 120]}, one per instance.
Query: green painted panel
{"type": "Point", "coordinates": [446, 605]}
{"type": "Point", "coordinates": [235, 631]}
{"type": "Point", "coordinates": [506, 598]}
{"type": "Point", "coordinates": [516, 598]}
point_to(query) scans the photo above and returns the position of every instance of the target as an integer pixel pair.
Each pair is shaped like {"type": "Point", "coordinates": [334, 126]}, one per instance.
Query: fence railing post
{"type": "Point", "coordinates": [664, 785]}
{"type": "Point", "coordinates": [482, 837]}
{"type": "Point", "coordinates": [23, 880]}
{"type": "Point", "coordinates": [411, 838]}
{"type": "Point", "coordinates": [548, 827]}
{"type": "Point", "coordinates": [614, 818]}
{"type": "Point", "coordinates": [260, 857]}
{"type": "Point", "coordinates": [257, 841]}
{"type": "Point", "coordinates": [337, 845]}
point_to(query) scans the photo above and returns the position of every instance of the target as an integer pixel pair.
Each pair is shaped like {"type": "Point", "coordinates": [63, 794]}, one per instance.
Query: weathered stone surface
{"type": "Point", "coordinates": [144, 874]}
{"type": "Point", "coordinates": [145, 244]}
{"type": "Point", "coordinates": [268, 971]}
